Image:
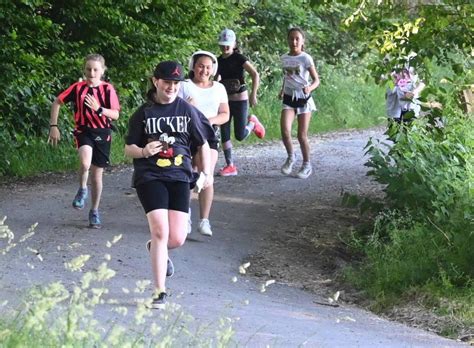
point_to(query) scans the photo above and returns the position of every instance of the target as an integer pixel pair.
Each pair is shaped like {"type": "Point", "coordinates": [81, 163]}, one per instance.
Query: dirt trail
{"type": "Point", "coordinates": [285, 227]}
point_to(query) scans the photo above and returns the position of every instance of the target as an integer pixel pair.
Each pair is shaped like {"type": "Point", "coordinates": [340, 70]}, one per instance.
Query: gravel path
{"type": "Point", "coordinates": [286, 228]}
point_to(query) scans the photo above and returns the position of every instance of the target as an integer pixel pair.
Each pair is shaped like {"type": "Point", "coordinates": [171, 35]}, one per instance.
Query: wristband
{"type": "Point", "coordinates": [100, 110]}
{"type": "Point", "coordinates": [53, 125]}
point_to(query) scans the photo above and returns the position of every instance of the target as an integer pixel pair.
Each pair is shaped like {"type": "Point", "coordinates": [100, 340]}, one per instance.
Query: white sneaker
{"type": "Point", "coordinates": [305, 171]}
{"type": "Point", "coordinates": [205, 227]}
{"type": "Point", "coordinates": [190, 223]}
{"type": "Point", "coordinates": [288, 165]}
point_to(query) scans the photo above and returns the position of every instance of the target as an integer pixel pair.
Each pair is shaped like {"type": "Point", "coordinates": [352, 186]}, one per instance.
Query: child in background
{"type": "Point", "coordinates": [95, 105]}
{"type": "Point", "coordinates": [403, 98]}
{"type": "Point", "coordinates": [298, 67]}
{"type": "Point", "coordinates": [230, 72]}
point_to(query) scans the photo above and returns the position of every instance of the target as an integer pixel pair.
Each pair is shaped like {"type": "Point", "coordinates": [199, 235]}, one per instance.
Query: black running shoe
{"type": "Point", "coordinates": [169, 265]}
{"type": "Point", "coordinates": [159, 302]}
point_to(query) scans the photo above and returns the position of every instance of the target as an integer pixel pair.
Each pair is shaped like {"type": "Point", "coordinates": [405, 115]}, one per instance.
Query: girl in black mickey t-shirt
{"type": "Point", "coordinates": [161, 133]}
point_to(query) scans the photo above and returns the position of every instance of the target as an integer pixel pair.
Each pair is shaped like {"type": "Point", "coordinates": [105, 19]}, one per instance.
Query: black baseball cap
{"type": "Point", "coordinates": [169, 70]}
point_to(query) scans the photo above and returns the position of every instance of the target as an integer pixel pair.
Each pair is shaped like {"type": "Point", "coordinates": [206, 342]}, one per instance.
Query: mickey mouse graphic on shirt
{"type": "Point", "coordinates": [177, 125]}
{"type": "Point", "coordinates": [290, 70]}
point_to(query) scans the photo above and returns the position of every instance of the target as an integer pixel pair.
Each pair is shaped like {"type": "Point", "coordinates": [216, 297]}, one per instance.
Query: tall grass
{"type": "Point", "coordinates": [65, 315]}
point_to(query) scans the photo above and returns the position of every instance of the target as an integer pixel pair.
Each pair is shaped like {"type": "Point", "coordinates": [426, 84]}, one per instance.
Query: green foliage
{"type": "Point", "coordinates": [428, 171]}
{"type": "Point", "coordinates": [403, 254]}
{"type": "Point", "coordinates": [45, 42]}
{"type": "Point", "coordinates": [344, 100]}
{"type": "Point", "coordinates": [264, 26]}
{"type": "Point", "coordinates": [425, 236]}
{"type": "Point", "coordinates": [402, 32]}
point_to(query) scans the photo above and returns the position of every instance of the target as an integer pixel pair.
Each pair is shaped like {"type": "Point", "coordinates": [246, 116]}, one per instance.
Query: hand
{"type": "Point", "coordinates": [54, 136]}
{"type": "Point", "coordinates": [306, 90]}
{"type": "Point", "coordinates": [435, 104]}
{"type": "Point", "coordinates": [91, 102]}
{"type": "Point", "coordinates": [209, 181]}
{"type": "Point", "coordinates": [152, 148]}
{"type": "Point", "coordinates": [253, 100]}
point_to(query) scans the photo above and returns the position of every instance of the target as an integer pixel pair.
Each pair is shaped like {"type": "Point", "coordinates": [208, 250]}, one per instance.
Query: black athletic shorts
{"type": "Point", "coordinates": [170, 195]}
{"type": "Point", "coordinates": [100, 141]}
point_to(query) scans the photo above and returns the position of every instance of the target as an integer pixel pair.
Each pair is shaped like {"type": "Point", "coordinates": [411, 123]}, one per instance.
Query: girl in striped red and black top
{"type": "Point", "coordinates": [95, 105]}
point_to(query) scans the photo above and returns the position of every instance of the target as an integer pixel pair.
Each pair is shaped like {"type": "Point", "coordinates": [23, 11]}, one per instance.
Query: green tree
{"type": "Point", "coordinates": [44, 43]}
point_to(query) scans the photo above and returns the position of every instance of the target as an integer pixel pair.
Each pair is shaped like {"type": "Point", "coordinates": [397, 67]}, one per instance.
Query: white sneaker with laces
{"type": "Point", "coordinates": [305, 171]}
{"type": "Point", "coordinates": [288, 165]}
{"type": "Point", "coordinates": [205, 227]}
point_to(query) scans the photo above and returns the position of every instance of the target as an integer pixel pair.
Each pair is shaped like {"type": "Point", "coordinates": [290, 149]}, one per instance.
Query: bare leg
{"type": "Point", "coordinates": [287, 117]}
{"type": "Point", "coordinates": [85, 159]}
{"type": "Point", "coordinates": [167, 230]}
{"type": "Point", "coordinates": [159, 231]}
{"type": "Point", "coordinates": [177, 228]}
{"type": "Point", "coordinates": [96, 181]}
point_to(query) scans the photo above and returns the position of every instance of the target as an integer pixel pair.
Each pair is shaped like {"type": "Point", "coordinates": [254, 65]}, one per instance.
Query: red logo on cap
{"type": "Point", "coordinates": [176, 72]}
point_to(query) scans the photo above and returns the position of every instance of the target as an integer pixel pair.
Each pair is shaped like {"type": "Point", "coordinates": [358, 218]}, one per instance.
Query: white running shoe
{"type": "Point", "coordinates": [305, 171]}
{"type": "Point", "coordinates": [205, 227]}
{"type": "Point", "coordinates": [288, 165]}
{"type": "Point", "coordinates": [190, 223]}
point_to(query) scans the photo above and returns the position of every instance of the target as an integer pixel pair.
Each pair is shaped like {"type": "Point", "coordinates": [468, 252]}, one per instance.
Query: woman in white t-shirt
{"type": "Point", "coordinates": [210, 98]}
{"type": "Point", "coordinates": [299, 80]}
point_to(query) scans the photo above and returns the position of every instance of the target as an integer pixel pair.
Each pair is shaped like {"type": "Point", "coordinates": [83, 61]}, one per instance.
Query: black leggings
{"type": "Point", "coordinates": [239, 110]}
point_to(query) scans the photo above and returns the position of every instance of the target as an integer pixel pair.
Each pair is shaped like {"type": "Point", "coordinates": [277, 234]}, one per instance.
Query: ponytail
{"type": "Point", "coordinates": [150, 94]}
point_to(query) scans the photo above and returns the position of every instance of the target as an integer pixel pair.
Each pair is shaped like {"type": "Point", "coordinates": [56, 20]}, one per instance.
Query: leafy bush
{"type": "Point", "coordinates": [428, 172]}
{"type": "Point", "coordinates": [425, 235]}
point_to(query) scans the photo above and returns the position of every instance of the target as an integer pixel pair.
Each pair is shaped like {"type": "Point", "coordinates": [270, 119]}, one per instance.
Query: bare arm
{"type": "Point", "coordinates": [255, 82]}
{"type": "Point", "coordinates": [315, 79]}
{"type": "Point", "coordinates": [54, 133]}
{"type": "Point", "coordinates": [222, 116]}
